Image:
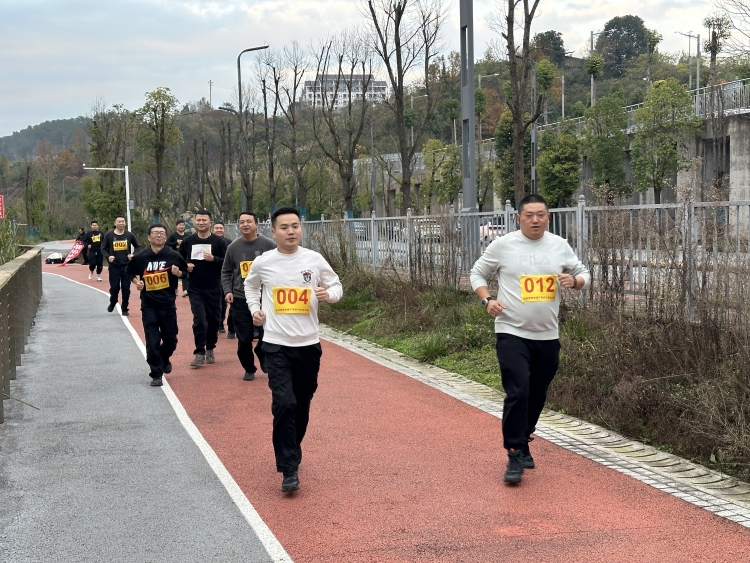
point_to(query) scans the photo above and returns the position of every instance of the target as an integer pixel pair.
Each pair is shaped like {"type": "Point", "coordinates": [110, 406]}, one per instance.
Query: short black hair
{"type": "Point", "coordinates": [219, 223]}
{"type": "Point", "coordinates": [156, 226]}
{"type": "Point", "coordinates": [532, 198]}
{"type": "Point", "coordinates": [253, 215]}
{"type": "Point", "coordinates": [94, 221]}
{"type": "Point", "coordinates": [283, 211]}
{"type": "Point", "coordinates": [119, 217]}
{"type": "Point", "coordinates": [81, 229]}
{"type": "Point", "coordinates": [203, 212]}
{"type": "Point", "coordinates": [179, 222]}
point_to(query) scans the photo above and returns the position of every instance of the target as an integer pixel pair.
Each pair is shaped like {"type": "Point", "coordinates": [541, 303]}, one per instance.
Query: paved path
{"type": "Point", "coordinates": [394, 469]}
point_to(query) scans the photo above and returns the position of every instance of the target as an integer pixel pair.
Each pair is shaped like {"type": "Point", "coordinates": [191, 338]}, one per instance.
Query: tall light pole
{"type": "Point", "coordinates": [372, 168]}
{"type": "Point", "coordinates": [127, 187]}
{"type": "Point", "coordinates": [239, 115]}
{"type": "Point", "coordinates": [479, 76]}
{"type": "Point", "coordinates": [411, 99]}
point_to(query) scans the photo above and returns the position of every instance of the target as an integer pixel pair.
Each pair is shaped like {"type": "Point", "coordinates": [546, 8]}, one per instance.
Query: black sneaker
{"type": "Point", "coordinates": [125, 313]}
{"type": "Point", "coordinates": [222, 330]}
{"type": "Point", "coordinates": [110, 307]}
{"type": "Point", "coordinates": [156, 382]}
{"type": "Point", "coordinates": [168, 367]}
{"type": "Point", "coordinates": [249, 376]}
{"type": "Point", "coordinates": [231, 336]}
{"type": "Point", "coordinates": [515, 468]}
{"type": "Point", "coordinates": [290, 482]}
{"type": "Point", "coordinates": [526, 460]}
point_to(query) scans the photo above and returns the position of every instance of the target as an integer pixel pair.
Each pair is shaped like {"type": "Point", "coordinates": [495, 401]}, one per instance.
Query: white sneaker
{"type": "Point", "coordinates": [91, 275]}
{"type": "Point", "coordinates": [98, 278]}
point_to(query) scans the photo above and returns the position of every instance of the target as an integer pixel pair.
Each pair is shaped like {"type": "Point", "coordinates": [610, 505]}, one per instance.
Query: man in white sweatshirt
{"type": "Point", "coordinates": [292, 281]}
{"type": "Point", "coordinates": [532, 265]}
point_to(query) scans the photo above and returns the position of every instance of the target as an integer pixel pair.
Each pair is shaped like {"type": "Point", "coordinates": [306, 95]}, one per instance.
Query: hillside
{"type": "Point", "coordinates": [22, 144]}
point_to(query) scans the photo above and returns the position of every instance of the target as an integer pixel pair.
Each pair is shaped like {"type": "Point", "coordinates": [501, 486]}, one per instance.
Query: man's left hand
{"type": "Point", "coordinates": [322, 294]}
{"type": "Point", "coordinates": [567, 281]}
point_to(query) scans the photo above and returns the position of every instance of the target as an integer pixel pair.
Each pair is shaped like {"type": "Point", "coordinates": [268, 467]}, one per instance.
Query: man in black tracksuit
{"type": "Point", "coordinates": [175, 242]}
{"type": "Point", "coordinates": [218, 230]}
{"type": "Point", "coordinates": [116, 250]}
{"type": "Point", "coordinates": [92, 244]}
{"type": "Point", "coordinates": [204, 253]}
{"type": "Point", "coordinates": [82, 237]}
{"type": "Point", "coordinates": [155, 271]}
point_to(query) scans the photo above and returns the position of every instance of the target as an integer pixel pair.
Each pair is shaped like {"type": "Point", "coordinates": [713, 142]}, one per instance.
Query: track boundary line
{"type": "Point", "coordinates": [271, 544]}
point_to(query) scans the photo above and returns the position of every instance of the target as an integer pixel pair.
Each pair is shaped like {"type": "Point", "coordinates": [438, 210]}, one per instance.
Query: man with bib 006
{"type": "Point", "coordinates": [292, 281]}
{"type": "Point", "coordinates": [531, 266]}
{"type": "Point", "coordinates": [237, 264]}
{"type": "Point", "coordinates": [155, 271]}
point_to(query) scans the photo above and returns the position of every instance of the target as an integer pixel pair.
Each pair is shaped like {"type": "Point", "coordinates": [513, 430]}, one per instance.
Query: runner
{"type": "Point", "coordinates": [218, 230]}
{"type": "Point", "coordinates": [204, 252]}
{"type": "Point", "coordinates": [116, 249]}
{"type": "Point", "coordinates": [237, 264]}
{"type": "Point", "coordinates": [292, 280]}
{"type": "Point", "coordinates": [82, 237]}
{"type": "Point", "coordinates": [531, 264]}
{"type": "Point", "coordinates": [93, 242]}
{"type": "Point", "coordinates": [155, 271]}
{"type": "Point", "coordinates": [175, 242]}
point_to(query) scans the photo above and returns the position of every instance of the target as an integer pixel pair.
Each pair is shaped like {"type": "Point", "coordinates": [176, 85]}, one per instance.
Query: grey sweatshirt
{"type": "Point", "coordinates": [238, 261]}
{"type": "Point", "coordinates": [527, 272]}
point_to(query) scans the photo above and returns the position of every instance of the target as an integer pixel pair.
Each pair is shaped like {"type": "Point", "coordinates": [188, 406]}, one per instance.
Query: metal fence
{"type": "Point", "coordinates": [662, 259]}
{"type": "Point", "coordinates": [20, 292]}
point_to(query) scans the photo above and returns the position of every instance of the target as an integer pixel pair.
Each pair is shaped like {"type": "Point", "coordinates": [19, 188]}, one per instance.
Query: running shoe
{"type": "Point", "coordinates": [91, 275]}
{"type": "Point", "coordinates": [198, 361]}
{"type": "Point", "coordinates": [110, 307]}
{"type": "Point", "coordinates": [125, 313]}
{"type": "Point", "coordinates": [156, 382]}
{"type": "Point", "coordinates": [526, 460]}
{"type": "Point", "coordinates": [222, 330]}
{"type": "Point", "coordinates": [290, 482]}
{"type": "Point", "coordinates": [184, 293]}
{"type": "Point", "coordinates": [210, 359]}
{"type": "Point", "coordinates": [168, 367]}
{"type": "Point", "coordinates": [249, 376]}
{"type": "Point", "coordinates": [231, 336]}
{"type": "Point", "coordinates": [98, 278]}
{"type": "Point", "coordinates": [514, 470]}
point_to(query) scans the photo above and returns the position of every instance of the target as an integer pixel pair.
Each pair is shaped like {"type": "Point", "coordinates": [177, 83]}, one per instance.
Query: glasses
{"type": "Point", "coordinates": [158, 234]}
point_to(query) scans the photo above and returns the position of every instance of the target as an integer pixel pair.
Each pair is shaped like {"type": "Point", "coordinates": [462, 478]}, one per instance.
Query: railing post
{"type": "Point", "coordinates": [508, 212]}
{"type": "Point", "coordinates": [580, 232]}
{"type": "Point", "coordinates": [374, 234]}
{"type": "Point", "coordinates": [409, 240]}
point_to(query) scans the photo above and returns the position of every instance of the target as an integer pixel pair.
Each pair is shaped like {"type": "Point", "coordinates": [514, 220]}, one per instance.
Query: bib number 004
{"type": "Point", "coordinates": [291, 300]}
{"type": "Point", "coordinates": [538, 288]}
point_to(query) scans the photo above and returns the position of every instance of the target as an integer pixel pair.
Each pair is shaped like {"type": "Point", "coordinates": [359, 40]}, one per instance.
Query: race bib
{"type": "Point", "coordinates": [120, 245]}
{"type": "Point", "coordinates": [156, 281]}
{"type": "Point", "coordinates": [538, 288]}
{"type": "Point", "coordinates": [96, 238]}
{"type": "Point", "coordinates": [291, 300]}
{"type": "Point", "coordinates": [245, 266]}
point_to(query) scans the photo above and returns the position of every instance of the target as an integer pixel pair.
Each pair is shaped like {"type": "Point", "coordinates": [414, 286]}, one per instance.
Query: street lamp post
{"type": "Point", "coordinates": [411, 98]}
{"type": "Point", "coordinates": [127, 187]}
{"type": "Point", "coordinates": [239, 115]}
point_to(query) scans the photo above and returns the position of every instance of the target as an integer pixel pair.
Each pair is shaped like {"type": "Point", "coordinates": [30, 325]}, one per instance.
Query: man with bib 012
{"type": "Point", "coordinates": [155, 271]}
{"type": "Point", "coordinates": [292, 281]}
{"type": "Point", "coordinates": [237, 264]}
{"type": "Point", "coordinates": [532, 265]}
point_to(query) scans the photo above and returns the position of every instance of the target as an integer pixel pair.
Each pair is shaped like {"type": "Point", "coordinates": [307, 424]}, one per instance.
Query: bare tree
{"type": "Point", "coordinates": [269, 78]}
{"type": "Point", "coordinates": [406, 36]}
{"type": "Point", "coordinates": [342, 78]}
{"type": "Point", "coordinates": [520, 64]}
{"type": "Point", "coordinates": [738, 13]}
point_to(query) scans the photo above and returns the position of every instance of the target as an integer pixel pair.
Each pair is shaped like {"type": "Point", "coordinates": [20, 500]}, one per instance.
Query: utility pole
{"type": "Point", "coordinates": [210, 85]}
{"type": "Point", "coordinates": [690, 36]}
{"type": "Point", "coordinates": [372, 168]}
{"type": "Point", "coordinates": [468, 143]}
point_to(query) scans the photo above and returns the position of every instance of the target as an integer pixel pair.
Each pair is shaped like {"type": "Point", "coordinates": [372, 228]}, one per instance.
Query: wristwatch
{"type": "Point", "coordinates": [486, 301]}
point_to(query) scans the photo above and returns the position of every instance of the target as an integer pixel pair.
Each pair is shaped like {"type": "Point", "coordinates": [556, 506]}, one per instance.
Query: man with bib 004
{"type": "Point", "coordinates": [531, 265]}
{"type": "Point", "coordinates": [155, 271]}
{"type": "Point", "coordinates": [292, 281]}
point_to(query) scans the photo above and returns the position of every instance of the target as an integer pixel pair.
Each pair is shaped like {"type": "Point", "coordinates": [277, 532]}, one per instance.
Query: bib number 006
{"type": "Point", "coordinates": [291, 300]}
{"type": "Point", "coordinates": [156, 281]}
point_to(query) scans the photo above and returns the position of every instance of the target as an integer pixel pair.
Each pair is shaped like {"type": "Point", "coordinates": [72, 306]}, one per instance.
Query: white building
{"type": "Point", "coordinates": [324, 87]}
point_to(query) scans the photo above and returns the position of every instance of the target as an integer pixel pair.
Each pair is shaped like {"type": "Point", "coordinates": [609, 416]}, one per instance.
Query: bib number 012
{"type": "Point", "coordinates": [538, 288]}
{"type": "Point", "coordinates": [291, 300]}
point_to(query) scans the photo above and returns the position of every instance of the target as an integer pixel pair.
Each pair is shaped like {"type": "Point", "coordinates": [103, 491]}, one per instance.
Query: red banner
{"type": "Point", "coordinates": [74, 252]}
{"type": "Point", "coordinates": [2, 206]}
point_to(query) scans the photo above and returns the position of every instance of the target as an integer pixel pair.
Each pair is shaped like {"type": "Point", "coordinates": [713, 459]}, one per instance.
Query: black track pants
{"type": "Point", "coordinates": [160, 328]}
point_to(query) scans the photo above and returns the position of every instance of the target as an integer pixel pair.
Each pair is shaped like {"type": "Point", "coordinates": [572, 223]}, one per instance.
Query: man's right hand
{"type": "Point", "coordinates": [229, 297]}
{"type": "Point", "coordinates": [494, 308]}
{"type": "Point", "coordinates": [259, 317]}
{"type": "Point", "coordinates": [139, 285]}
{"type": "Point", "coordinates": [191, 266]}
{"type": "Point", "coordinates": [111, 259]}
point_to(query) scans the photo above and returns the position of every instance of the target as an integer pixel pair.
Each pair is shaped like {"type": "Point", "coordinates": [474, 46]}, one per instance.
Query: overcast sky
{"type": "Point", "coordinates": [58, 56]}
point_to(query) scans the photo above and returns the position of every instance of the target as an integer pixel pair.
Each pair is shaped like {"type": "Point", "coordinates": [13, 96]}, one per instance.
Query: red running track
{"type": "Point", "coordinates": [395, 471]}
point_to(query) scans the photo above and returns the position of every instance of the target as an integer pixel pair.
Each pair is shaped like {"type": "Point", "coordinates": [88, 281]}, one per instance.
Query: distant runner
{"type": "Point", "coordinates": [82, 237]}
{"type": "Point", "coordinates": [218, 230]}
{"type": "Point", "coordinates": [93, 243]}
{"type": "Point", "coordinates": [237, 264]}
{"type": "Point", "coordinates": [204, 253]}
{"type": "Point", "coordinates": [116, 249]}
{"type": "Point", "coordinates": [292, 280]}
{"type": "Point", "coordinates": [155, 271]}
{"type": "Point", "coordinates": [175, 242]}
{"type": "Point", "coordinates": [531, 265]}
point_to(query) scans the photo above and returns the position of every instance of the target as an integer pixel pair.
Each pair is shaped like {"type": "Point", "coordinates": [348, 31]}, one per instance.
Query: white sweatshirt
{"type": "Point", "coordinates": [527, 281]}
{"type": "Point", "coordinates": [288, 282]}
